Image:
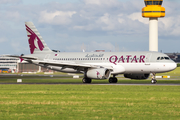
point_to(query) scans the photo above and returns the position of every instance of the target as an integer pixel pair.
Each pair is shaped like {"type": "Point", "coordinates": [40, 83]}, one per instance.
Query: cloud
{"type": "Point", "coordinates": [107, 21]}
{"type": "Point", "coordinates": [137, 16]}
{"type": "Point", "coordinates": [109, 3]}
{"type": "Point", "coordinates": [101, 46]}
{"type": "Point", "coordinates": [2, 40]}
{"type": "Point", "coordinates": [57, 17]}
{"type": "Point", "coordinates": [170, 26]}
{"type": "Point", "coordinates": [15, 15]}
{"type": "Point", "coordinates": [94, 21]}
{"type": "Point", "coordinates": [10, 1]}
{"type": "Point", "coordinates": [16, 46]}
{"type": "Point", "coordinates": [91, 46]}
{"type": "Point", "coordinates": [111, 17]}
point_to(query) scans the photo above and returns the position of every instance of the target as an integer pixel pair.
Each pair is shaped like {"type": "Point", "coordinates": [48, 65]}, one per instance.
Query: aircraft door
{"type": "Point", "coordinates": [148, 58]}
{"type": "Point", "coordinates": [104, 60]}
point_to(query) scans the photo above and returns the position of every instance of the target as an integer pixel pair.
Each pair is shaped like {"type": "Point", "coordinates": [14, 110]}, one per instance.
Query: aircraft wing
{"type": "Point", "coordinates": [66, 64]}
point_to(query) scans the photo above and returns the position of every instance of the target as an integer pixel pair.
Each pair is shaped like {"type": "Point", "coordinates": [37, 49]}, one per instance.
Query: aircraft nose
{"type": "Point", "coordinates": [173, 66]}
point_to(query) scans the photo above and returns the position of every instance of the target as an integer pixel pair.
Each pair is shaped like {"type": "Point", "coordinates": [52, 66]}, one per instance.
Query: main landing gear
{"type": "Point", "coordinates": [153, 81]}
{"type": "Point", "coordinates": [86, 80]}
{"type": "Point", "coordinates": [113, 79]}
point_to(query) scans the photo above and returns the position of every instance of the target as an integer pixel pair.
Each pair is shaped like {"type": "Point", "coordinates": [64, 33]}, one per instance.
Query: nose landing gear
{"type": "Point", "coordinates": [153, 81]}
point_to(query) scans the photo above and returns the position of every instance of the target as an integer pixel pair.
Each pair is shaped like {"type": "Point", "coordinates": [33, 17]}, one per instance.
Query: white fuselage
{"type": "Point", "coordinates": [118, 62]}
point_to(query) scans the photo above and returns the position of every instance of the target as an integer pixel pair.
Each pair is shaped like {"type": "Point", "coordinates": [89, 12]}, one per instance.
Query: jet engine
{"type": "Point", "coordinates": [137, 76]}
{"type": "Point", "coordinates": [100, 73]}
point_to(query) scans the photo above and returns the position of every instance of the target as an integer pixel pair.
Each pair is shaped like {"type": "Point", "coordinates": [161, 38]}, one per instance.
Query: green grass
{"type": "Point", "coordinates": [89, 102]}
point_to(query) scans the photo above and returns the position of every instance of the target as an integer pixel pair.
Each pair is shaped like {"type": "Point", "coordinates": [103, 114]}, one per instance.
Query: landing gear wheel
{"type": "Point", "coordinates": [113, 80]}
{"type": "Point", "coordinates": [110, 80]}
{"type": "Point", "coordinates": [153, 81]}
{"type": "Point", "coordinates": [86, 80]}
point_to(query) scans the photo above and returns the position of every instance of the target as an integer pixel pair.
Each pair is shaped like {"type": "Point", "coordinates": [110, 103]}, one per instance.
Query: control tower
{"type": "Point", "coordinates": [153, 11]}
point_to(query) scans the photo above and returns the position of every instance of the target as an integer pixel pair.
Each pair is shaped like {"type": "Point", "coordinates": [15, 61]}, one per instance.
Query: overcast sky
{"type": "Point", "coordinates": [73, 25]}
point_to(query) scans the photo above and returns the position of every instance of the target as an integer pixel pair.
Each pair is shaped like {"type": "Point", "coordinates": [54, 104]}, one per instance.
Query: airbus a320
{"type": "Point", "coordinates": [96, 65]}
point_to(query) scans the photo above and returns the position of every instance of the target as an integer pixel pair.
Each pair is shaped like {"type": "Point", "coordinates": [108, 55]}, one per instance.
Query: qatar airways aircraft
{"type": "Point", "coordinates": [96, 65]}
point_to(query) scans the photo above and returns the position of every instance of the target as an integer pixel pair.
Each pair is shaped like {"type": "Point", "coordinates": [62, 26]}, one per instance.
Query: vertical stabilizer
{"type": "Point", "coordinates": [36, 42]}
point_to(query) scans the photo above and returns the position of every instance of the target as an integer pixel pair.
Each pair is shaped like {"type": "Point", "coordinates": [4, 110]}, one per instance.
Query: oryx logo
{"type": "Point", "coordinates": [98, 75]}
{"type": "Point", "coordinates": [34, 41]}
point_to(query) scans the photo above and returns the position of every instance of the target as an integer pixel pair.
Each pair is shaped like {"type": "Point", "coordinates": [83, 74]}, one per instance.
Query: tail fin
{"type": "Point", "coordinates": [36, 42]}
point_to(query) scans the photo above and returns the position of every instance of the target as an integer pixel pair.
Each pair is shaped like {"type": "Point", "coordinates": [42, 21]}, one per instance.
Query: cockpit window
{"type": "Point", "coordinates": [163, 58]}
{"type": "Point", "coordinates": [167, 58]}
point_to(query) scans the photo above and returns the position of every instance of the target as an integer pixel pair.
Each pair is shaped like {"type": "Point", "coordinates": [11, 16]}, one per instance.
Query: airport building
{"type": "Point", "coordinates": [8, 64]}
{"type": "Point", "coordinates": [31, 68]}
{"type": "Point", "coordinates": [13, 65]}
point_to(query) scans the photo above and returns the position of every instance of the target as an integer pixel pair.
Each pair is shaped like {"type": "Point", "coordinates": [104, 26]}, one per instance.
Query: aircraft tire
{"type": "Point", "coordinates": [110, 80]}
{"type": "Point", "coordinates": [113, 80]}
{"type": "Point", "coordinates": [153, 81]}
{"type": "Point", "coordinates": [86, 80]}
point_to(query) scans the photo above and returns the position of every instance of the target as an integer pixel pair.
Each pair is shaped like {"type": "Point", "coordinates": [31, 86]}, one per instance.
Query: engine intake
{"type": "Point", "coordinates": [101, 73]}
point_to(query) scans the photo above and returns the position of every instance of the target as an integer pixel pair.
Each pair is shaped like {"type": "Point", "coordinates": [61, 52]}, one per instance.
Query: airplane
{"type": "Point", "coordinates": [96, 65]}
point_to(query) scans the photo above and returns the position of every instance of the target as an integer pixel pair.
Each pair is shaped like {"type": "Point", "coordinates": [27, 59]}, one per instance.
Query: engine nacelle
{"type": "Point", "coordinates": [100, 73]}
{"type": "Point", "coordinates": [137, 76]}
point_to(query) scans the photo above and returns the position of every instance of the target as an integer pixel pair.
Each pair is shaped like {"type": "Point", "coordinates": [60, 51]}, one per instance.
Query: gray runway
{"type": "Point", "coordinates": [93, 83]}
{"type": "Point", "coordinates": [120, 84]}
